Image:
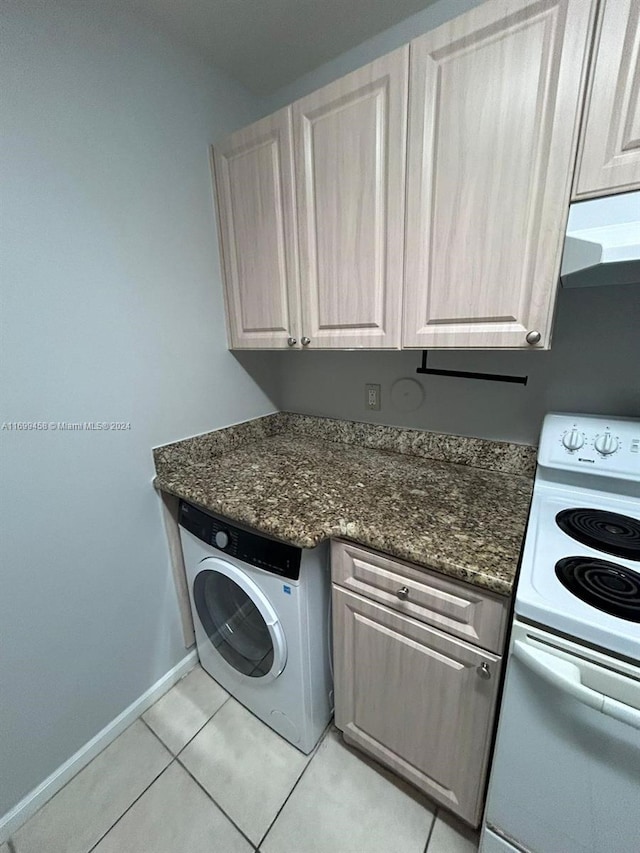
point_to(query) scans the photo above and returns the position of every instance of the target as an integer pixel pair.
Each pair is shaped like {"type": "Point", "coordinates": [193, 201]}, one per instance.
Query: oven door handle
{"type": "Point", "coordinates": [566, 677]}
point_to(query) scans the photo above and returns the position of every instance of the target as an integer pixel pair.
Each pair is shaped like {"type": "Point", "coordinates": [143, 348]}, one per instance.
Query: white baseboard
{"type": "Point", "coordinates": [35, 799]}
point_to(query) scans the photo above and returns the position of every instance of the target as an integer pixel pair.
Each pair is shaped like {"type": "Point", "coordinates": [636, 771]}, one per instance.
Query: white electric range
{"type": "Point", "coordinates": [566, 771]}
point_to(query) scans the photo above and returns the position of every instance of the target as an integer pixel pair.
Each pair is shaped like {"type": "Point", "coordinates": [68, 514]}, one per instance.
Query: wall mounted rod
{"type": "Point", "coordinates": [465, 374]}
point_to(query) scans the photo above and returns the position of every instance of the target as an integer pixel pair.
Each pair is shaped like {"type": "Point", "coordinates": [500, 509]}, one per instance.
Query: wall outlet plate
{"type": "Point", "coordinates": [372, 397]}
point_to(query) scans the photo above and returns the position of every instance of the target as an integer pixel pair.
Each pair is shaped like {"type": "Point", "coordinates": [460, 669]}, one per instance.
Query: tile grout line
{"type": "Point", "coordinates": [176, 758]}
{"type": "Point", "coordinates": [11, 844]}
{"type": "Point", "coordinates": [431, 828]}
{"type": "Point", "coordinates": [295, 785]}
{"type": "Point", "coordinates": [159, 739]}
{"type": "Point", "coordinates": [131, 805]}
{"type": "Point", "coordinates": [195, 735]}
{"type": "Point", "coordinates": [216, 804]}
{"type": "Point", "coordinates": [66, 784]}
{"type": "Point", "coordinates": [182, 748]}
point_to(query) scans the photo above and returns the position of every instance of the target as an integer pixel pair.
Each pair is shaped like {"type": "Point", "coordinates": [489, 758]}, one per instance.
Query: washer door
{"type": "Point", "coordinates": [239, 620]}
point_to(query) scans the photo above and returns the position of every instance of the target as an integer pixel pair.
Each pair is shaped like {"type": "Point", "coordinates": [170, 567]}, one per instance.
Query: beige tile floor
{"type": "Point", "coordinates": [199, 773]}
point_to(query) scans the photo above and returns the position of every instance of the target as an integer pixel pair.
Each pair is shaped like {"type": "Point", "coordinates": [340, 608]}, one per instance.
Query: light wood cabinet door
{"type": "Point", "coordinates": [609, 159]}
{"type": "Point", "coordinates": [256, 224]}
{"type": "Point", "coordinates": [493, 118]}
{"type": "Point", "coordinates": [350, 140]}
{"type": "Point", "coordinates": [417, 700]}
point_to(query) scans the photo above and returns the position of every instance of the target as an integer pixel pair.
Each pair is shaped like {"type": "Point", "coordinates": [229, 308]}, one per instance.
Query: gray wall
{"type": "Point", "coordinates": [593, 366]}
{"type": "Point", "coordinates": [111, 311]}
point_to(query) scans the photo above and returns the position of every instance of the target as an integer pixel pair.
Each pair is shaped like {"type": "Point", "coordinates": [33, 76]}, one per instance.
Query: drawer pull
{"type": "Point", "coordinates": [403, 593]}
{"type": "Point", "coordinates": [484, 671]}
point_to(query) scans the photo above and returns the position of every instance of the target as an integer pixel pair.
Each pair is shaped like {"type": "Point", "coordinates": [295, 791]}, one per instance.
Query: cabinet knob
{"type": "Point", "coordinates": [305, 341]}
{"type": "Point", "coordinates": [533, 337]}
{"type": "Point", "coordinates": [403, 593]}
{"type": "Point", "coordinates": [291, 342]}
{"type": "Point", "coordinates": [484, 671]}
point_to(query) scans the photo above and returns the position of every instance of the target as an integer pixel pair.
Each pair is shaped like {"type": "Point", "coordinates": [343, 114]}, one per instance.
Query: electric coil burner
{"type": "Point", "coordinates": [611, 588]}
{"type": "Point", "coordinates": [605, 531]}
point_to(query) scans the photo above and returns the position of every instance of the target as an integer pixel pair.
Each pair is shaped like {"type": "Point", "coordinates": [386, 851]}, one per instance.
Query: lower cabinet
{"type": "Point", "coordinates": [418, 700]}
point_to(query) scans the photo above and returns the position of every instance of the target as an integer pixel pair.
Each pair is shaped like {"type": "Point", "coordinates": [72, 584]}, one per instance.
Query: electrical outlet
{"type": "Point", "coordinates": [372, 397]}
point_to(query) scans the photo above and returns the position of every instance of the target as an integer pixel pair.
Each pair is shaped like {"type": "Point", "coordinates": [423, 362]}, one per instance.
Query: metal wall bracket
{"type": "Point", "coordinates": [464, 374]}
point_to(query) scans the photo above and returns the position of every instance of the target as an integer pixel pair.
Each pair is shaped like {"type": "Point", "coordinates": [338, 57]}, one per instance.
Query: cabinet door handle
{"type": "Point", "coordinates": [403, 593]}
{"type": "Point", "coordinates": [484, 671]}
{"type": "Point", "coordinates": [305, 341]}
{"type": "Point", "coordinates": [533, 337]}
{"type": "Point", "coordinates": [291, 342]}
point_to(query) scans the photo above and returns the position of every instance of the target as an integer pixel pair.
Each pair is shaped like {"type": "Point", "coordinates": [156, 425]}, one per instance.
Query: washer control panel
{"type": "Point", "coordinates": [599, 445]}
{"type": "Point", "coordinates": [252, 548]}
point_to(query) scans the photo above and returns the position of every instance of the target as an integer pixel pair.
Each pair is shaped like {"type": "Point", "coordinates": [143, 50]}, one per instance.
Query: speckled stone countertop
{"type": "Point", "coordinates": [308, 479]}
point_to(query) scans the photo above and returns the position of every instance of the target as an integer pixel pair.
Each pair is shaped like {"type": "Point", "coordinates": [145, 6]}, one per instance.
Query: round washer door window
{"type": "Point", "coordinates": [239, 621]}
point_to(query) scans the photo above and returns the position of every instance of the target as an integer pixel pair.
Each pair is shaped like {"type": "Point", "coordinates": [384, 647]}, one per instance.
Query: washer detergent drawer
{"type": "Point", "coordinates": [566, 770]}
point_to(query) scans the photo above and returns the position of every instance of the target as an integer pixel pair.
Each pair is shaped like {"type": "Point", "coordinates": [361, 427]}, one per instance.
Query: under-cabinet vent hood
{"type": "Point", "coordinates": [602, 245]}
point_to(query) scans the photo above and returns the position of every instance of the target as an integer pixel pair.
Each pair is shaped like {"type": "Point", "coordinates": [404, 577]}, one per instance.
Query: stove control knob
{"type": "Point", "coordinates": [222, 539]}
{"type": "Point", "coordinates": [573, 440]}
{"type": "Point", "coordinates": [606, 444]}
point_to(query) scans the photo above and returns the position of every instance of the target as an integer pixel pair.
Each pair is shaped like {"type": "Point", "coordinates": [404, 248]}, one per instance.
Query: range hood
{"type": "Point", "coordinates": [602, 244]}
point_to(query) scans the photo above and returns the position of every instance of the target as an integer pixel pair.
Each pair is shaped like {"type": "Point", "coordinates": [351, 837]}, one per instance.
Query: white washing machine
{"type": "Point", "coordinates": [261, 615]}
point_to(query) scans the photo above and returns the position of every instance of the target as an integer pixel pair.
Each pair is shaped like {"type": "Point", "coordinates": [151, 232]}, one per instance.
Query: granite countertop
{"type": "Point", "coordinates": [294, 484]}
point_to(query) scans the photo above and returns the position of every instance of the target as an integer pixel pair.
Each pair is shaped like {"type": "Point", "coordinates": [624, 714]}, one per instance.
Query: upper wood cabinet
{"type": "Point", "coordinates": [609, 157]}
{"type": "Point", "coordinates": [256, 220]}
{"type": "Point", "coordinates": [495, 98]}
{"type": "Point", "coordinates": [348, 143]}
{"type": "Point", "coordinates": [350, 140]}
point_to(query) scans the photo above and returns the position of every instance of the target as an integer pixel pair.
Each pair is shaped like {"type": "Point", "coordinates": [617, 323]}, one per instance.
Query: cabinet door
{"type": "Point", "coordinates": [609, 159]}
{"type": "Point", "coordinates": [350, 162]}
{"type": "Point", "coordinates": [256, 220]}
{"type": "Point", "coordinates": [493, 117]}
{"type": "Point", "coordinates": [415, 699]}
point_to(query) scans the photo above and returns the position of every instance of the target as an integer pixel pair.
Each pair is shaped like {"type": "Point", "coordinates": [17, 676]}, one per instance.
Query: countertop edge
{"type": "Point", "coordinates": [481, 580]}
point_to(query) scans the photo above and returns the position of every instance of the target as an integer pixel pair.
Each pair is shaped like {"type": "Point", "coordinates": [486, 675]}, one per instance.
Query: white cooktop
{"type": "Point", "coordinates": [579, 477]}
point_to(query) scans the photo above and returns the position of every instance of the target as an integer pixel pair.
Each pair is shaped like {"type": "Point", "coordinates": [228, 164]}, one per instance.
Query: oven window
{"type": "Point", "coordinates": [233, 624]}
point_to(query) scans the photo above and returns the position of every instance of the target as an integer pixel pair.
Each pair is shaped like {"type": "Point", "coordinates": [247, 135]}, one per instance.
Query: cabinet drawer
{"type": "Point", "coordinates": [460, 609]}
{"type": "Point", "coordinates": [417, 700]}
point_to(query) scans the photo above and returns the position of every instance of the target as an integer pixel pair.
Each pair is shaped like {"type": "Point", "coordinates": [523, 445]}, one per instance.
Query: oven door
{"type": "Point", "coordinates": [566, 769]}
